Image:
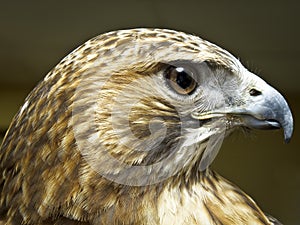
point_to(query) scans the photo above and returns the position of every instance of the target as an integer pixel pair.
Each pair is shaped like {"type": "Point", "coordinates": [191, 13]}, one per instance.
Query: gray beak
{"type": "Point", "coordinates": [270, 111]}
{"type": "Point", "coordinates": [266, 108]}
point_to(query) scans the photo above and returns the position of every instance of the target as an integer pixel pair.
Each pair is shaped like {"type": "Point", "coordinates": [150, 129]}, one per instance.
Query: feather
{"type": "Point", "coordinates": [123, 131]}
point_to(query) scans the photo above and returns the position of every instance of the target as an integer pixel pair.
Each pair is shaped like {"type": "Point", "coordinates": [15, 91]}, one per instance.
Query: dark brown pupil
{"type": "Point", "coordinates": [183, 80]}
{"type": "Point", "coordinates": [180, 80]}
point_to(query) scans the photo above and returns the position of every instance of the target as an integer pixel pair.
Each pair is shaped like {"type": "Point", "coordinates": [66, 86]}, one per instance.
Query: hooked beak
{"type": "Point", "coordinates": [271, 112]}
{"type": "Point", "coordinates": [266, 110]}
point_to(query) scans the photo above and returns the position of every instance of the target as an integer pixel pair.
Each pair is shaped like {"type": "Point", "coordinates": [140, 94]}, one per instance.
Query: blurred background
{"type": "Point", "coordinates": [264, 35]}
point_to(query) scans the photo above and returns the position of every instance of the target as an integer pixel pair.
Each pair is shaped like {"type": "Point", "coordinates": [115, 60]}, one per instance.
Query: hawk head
{"type": "Point", "coordinates": [129, 109]}
{"type": "Point", "coordinates": [159, 103]}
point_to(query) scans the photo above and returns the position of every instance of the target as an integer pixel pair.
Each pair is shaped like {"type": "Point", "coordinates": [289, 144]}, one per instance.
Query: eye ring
{"type": "Point", "coordinates": [180, 80]}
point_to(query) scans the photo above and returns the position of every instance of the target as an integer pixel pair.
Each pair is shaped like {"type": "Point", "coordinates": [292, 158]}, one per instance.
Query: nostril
{"type": "Point", "coordinates": [254, 92]}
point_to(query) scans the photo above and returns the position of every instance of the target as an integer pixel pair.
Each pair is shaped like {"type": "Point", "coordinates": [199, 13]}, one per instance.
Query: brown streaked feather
{"type": "Point", "coordinates": [45, 179]}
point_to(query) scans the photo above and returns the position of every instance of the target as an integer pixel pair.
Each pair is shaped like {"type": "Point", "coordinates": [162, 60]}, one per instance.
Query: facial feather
{"type": "Point", "coordinates": [123, 129]}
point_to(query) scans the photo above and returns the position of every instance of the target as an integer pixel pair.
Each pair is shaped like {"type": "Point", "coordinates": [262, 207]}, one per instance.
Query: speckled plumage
{"type": "Point", "coordinates": [48, 159]}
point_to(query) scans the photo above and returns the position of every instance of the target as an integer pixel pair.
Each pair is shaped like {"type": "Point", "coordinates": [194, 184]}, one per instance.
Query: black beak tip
{"type": "Point", "coordinates": [287, 140]}
{"type": "Point", "coordinates": [288, 130]}
{"type": "Point", "coordinates": [287, 135]}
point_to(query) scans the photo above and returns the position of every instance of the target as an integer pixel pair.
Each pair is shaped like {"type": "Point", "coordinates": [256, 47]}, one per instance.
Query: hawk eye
{"type": "Point", "coordinates": [180, 81]}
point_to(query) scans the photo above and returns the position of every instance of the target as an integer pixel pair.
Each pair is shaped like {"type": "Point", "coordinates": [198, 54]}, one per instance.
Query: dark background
{"type": "Point", "coordinates": [265, 35]}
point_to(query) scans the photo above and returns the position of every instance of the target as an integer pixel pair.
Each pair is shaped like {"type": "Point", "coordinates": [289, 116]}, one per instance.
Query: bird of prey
{"type": "Point", "coordinates": [123, 131]}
